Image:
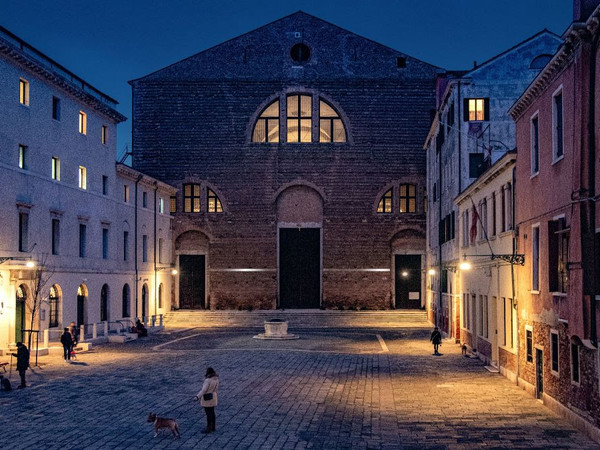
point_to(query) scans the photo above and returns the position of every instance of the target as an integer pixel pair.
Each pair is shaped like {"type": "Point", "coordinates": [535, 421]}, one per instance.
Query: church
{"type": "Point", "coordinates": [296, 152]}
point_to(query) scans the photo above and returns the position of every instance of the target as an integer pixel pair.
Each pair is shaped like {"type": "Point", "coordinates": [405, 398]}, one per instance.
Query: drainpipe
{"type": "Point", "coordinates": [135, 242]}
{"type": "Point", "coordinates": [439, 311]}
{"type": "Point", "coordinates": [155, 243]}
{"type": "Point", "coordinates": [588, 239]}
{"type": "Point", "coordinates": [512, 272]}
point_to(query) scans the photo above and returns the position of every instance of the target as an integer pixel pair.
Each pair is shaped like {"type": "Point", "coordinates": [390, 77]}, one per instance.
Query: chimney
{"type": "Point", "coordinates": [582, 9]}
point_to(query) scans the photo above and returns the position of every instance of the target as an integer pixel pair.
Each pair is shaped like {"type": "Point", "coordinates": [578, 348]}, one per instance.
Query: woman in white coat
{"type": "Point", "coordinates": [208, 398]}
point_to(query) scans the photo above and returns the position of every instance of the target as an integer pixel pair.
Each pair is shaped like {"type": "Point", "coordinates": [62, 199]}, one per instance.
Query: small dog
{"type": "Point", "coordinates": [464, 349]}
{"type": "Point", "coordinates": [162, 423]}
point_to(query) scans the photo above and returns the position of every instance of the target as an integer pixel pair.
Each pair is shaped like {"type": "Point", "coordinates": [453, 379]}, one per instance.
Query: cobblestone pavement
{"type": "Point", "coordinates": [334, 389]}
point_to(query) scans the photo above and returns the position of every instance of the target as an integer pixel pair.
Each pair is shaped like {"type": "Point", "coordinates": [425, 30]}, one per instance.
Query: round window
{"type": "Point", "coordinates": [300, 53]}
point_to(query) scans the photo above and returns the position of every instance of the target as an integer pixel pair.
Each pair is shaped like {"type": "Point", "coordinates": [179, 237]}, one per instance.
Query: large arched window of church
{"type": "Point", "coordinates": [385, 203]}
{"type": "Point", "coordinates": [214, 204]}
{"type": "Point", "coordinates": [299, 118]}
{"type": "Point", "coordinates": [266, 128]}
{"type": "Point", "coordinates": [331, 127]}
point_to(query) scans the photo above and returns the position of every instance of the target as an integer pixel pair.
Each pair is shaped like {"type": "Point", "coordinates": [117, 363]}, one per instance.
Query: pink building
{"type": "Point", "coordinates": [558, 228]}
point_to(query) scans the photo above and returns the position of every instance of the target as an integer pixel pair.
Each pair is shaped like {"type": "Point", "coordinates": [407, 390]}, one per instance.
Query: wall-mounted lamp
{"type": "Point", "coordinates": [29, 264]}
{"type": "Point", "coordinates": [173, 270]}
{"type": "Point", "coordinates": [404, 273]}
{"type": "Point", "coordinates": [431, 271]}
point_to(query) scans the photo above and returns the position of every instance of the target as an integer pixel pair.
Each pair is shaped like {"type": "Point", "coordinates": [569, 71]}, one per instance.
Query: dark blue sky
{"type": "Point", "coordinates": [108, 42]}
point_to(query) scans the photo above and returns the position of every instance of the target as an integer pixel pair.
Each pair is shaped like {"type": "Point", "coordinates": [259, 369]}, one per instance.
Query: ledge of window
{"type": "Point", "coordinates": [555, 373]}
{"type": "Point", "coordinates": [493, 238]}
{"type": "Point", "coordinates": [23, 104]}
{"type": "Point", "coordinates": [505, 233]}
{"type": "Point", "coordinates": [534, 292]}
{"type": "Point", "coordinates": [512, 351]}
{"type": "Point", "coordinates": [559, 159]}
{"type": "Point", "coordinates": [528, 362]}
{"type": "Point", "coordinates": [533, 175]}
{"type": "Point", "coordinates": [558, 294]}
{"type": "Point", "coordinates": [575, 383]}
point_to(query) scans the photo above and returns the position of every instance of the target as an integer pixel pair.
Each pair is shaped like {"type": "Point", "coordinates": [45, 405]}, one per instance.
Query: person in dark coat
{"type": "Point", "coordinates": [74, 332]}
{"type": "Point", "coordinates": [141, 330]}
{"type": "Point", "coordinates": [67, 342]}
{"type": "Point", "coordinates": [22, 362]}
{"type": "Point", "coordinates": [436, 338]}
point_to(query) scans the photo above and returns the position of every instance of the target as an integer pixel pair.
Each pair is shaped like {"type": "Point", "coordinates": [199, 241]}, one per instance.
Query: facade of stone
{"type": "Point", "coordinates": [557, 169]}
{"type": "Point", "coordinates": [295, 149]}
{"type": "Point", "coordinates": [63, 205]}
{"type": "Point", "coordinates": [471, 131]}
{"type": "Point", "coordinates": [488, 317]}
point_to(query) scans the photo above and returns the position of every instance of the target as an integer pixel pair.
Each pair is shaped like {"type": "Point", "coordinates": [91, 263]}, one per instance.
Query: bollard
{"type": "Point", "coordinates": [160, 320]}
{"type": "Point", "coordinates": [81, 333]}
{"type": "Point", "coordinates": [94, 330]}
{"type": "Point", "coordinates": [105, 328]}
{"type": "Point", "coordinates": [46, 338]}
{"type": "Point", "coordinates": [153, 321]}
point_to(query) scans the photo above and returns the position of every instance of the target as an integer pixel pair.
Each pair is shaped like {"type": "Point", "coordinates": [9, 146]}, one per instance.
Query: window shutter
{"type": "Point", "coordinates": [466, 109]}
{"type": "Point", "coordinates": [486, 109]}
{"type": "Point", "coordinates": [552, 256]}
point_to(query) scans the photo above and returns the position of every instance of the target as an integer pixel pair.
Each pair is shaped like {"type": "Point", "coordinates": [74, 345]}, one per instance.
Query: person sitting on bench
{"type": "Point", "coordinates": [141, 330]}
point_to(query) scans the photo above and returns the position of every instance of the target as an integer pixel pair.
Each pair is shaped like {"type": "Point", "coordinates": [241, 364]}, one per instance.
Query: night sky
{"type": "Point", "coordinates": [109, 42]}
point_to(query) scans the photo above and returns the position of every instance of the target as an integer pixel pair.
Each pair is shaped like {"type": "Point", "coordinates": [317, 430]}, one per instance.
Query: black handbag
{"type": "Point", "coordinates": [208, 396]}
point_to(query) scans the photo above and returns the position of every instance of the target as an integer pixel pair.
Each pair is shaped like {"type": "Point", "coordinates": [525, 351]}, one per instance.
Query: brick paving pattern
{"type": "Point", "coordinates": [335, 389]}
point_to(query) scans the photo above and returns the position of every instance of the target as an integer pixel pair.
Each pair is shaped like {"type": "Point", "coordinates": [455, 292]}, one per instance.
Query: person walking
{"type": "Point", "coordinates": [436, 339]}
{"type": "Point", "coordinates": [208, 398]}
{"type": "Point", "coordinates": [74, 332]}
{"type": "Point", "coordinates": [22, 362]}
{"type": "Point", "coordinates": [67, 342]}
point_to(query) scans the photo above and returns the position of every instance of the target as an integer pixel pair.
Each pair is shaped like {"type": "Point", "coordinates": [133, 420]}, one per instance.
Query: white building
{"type": "Point", "coordinates": [488, 317]}
{"type": "Point", "coordinates": [471, 131]}
{"type": "Point", "coordinates": [65, 207]}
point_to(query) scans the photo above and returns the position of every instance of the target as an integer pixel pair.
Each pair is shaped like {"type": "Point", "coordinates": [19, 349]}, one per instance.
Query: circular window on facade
{"type": "Point", "coordinates": [300, 53]}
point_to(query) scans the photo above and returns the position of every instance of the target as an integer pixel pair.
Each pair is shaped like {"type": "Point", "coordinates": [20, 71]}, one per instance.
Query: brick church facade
{"type": "Point", "coordinates": [296, 150]}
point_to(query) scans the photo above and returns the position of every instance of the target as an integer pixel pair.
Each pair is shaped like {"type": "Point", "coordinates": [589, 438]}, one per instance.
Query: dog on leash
{"type": "Point", "coordinates": [161, 423]}
{"type": "Point", "coordinates": [464, 349]}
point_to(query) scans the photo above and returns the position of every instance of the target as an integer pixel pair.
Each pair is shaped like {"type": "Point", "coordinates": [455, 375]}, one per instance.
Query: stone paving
{"type": "Point", "coordinates": [327, 390]}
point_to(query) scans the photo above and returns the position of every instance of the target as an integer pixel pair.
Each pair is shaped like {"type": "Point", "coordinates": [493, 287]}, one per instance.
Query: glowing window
{"type": "Point", "coordinates": [173, 204]}
{"type": "Point", "coordinates": [82, 177]}
{"type": "Point", "coordinates": [299, 118]}
{"type": "Point", "coordinates": [82, 122]}
{"type": "Point", "coordinates": [214, 204]}
{"type": "Point", "coordinates": [22, 156]}
{"type": "Point", "coordinates": [55, 168]}
{"type": "Point", "coordinates": [53, 301]}
{"type": "Point", "coordinates": [408, 198]}
{"type": "Point", "coordinates": [267, 125]}
{"type": "Point", "coordinates": [477, 109]}
{"type": "Point", "coordinates": [385, 203]}
{"type": "Point", "coordinates": [24, 92]}
{"type": "Point", "coordinates": [331, 127]}
{"type": "Point", "coordinates": [104, 134]}
{"type": "Point", "coordinates": [191, 198]}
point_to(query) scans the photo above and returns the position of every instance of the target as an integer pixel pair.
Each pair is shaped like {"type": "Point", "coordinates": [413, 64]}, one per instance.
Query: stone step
{"type": "Point", "coordinates": [299, 318]}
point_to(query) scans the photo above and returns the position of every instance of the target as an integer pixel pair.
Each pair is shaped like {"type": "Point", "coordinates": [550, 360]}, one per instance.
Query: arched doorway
{"type": "Point", "coordinates": [125, 304]}
{"type": "Point", "coordinates": [144, 301]}
{"type": "Point", "coordinates": [104, 303]}
{"type": "Point", "coordinates": [54, 304]}
{"type": "Point", "coordinates": [299, 220]}
{"type": "Point", "coordinates": [82, 293]}
{"type": "Point", "coordinates": [21, 298]}
{"type": "Point", "coordinates": [192, 250]}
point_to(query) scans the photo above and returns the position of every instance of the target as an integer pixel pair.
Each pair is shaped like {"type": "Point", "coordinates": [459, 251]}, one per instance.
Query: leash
{"type": "Point", "coordinates": [178, 406]}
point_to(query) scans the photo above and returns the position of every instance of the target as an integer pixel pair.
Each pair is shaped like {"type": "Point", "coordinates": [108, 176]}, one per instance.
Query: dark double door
{"type": "Point", "coordinates": [408, 281]}
{"type": "Point", "coordinates": [192, 281]}
{"type": "Point", "coordinates": [299, 268]}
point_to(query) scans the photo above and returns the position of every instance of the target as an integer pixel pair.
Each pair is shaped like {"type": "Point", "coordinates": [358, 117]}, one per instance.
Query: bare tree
{"type": "Point", "coordinates": [40, 276]}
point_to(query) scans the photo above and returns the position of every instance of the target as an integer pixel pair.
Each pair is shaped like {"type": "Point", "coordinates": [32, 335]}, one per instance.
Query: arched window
{"type": "Point", "coordinates": [299, 118]}
{"type": "Point", "coordinates": [540, 61]}
{"type": "Point", "coordinates": [385, 203]}
{"type": "Point", "coordinates": [104, 303]}
{"type": "Point", "coordinates": [160, 295]}
{"type": "Point", "coordinates": [144, 301]}
{"type": "Point", "coordinates": [125, 303]}
{"type": "Point", "coordinates": [331, 127]}
{"type": "Point", "coordinates": [53, 301]}
{"type": "Point", "coordinates": [266, 128]}
{"type": "Point", "coordinates": [82, 294]}
{"type": "Point", "coordinates": [299, 121]}
{"type": "Point", "coordinates": [408, 198]}
{"type": "Point", "coordinates": [214, 204]}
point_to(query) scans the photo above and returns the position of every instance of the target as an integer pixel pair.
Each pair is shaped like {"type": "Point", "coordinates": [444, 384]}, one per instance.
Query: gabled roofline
{"type": "Point", "coordinates": [131, 82]}
{"type": "Point", "coordinates": [514, 47]}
